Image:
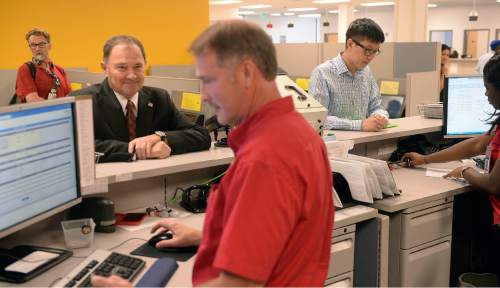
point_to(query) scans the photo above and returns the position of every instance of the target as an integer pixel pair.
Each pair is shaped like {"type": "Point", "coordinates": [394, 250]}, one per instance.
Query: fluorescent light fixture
{"type": "Point", "coordinates": [432, 5]}
{"type": "Point", "coordinates": [310, 15]}
{"type": "Point", "coordinates": [246, 12]}
{"type": "Point", "coordinates": [338, 11]}
{"type": "Point", "coordinates": [330, 1]}
{"type": "Point", "coordinates": [275, 14]}
{"type": "Point", "coordinates": [376, 4]}
{"type": "Point", "coordinates": [224, 2]}
{"type": "Point", "coordinates": [289, 14]}
{"type": "Point", "coordinates": [258, 6]}
{"type": "Point", "coordinates": [302, 9]}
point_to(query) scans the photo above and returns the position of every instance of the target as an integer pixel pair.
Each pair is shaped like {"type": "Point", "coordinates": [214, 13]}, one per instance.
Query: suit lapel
{"type": "Point", "coordinates": [112, 111]}
{"type": "Point", "coordinates": [145, 114]}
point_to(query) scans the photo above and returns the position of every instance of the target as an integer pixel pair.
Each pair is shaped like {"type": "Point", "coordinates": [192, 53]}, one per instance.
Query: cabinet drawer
{"type": "Point", "coordinates": [426, 225]}
{"type": "Point", "coordinates": [341, 255]}
{"type": "Point", "coordinates": [344, 280]}
{"type": "Point", "coordinates": [427, 265]}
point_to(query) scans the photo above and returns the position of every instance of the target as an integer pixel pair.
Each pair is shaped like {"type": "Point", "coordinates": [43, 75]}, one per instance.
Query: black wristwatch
{"type": "Point", "coordinates": [163, 135]}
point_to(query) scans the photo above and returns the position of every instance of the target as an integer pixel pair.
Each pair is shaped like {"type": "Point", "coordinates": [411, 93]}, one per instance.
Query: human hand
{"type": "Point", "coordinates": [112, 281]}
{"type": "Point", "coordinates": [160, 150]}
{"type": "Point", "coordinates": [372, 124]}
{"type": "Point", "coordinates": [183, 235]}
{"type": "Point", "coordinates": [142, 146]}
{"type": "Point", "coordinates": [33, 97]}
{"type": "Point", "coordinates": [415, 158]}
{"type": "Point", "coordinates": [381, 119]}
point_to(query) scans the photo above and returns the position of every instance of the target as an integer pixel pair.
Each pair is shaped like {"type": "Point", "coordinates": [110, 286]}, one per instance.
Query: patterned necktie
{"type": "Point", "coordinates": [131, 112]}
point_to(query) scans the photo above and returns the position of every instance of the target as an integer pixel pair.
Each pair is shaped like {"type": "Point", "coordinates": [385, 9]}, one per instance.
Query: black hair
{"type": "Point", "coordinates": [445, 47]}
{"type": "Point", "coordinates": [491, 75]}
{"type": "Point", "coordinates": [365, 28]}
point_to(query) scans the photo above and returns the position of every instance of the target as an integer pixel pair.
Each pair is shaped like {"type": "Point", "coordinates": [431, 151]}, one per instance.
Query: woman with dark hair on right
{"type": "Point", "coordinates": [488, 144]}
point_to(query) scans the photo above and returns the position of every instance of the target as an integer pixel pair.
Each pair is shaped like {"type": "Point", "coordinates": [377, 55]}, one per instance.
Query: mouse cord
{"type": "Point", "coordinates": [116, 246]}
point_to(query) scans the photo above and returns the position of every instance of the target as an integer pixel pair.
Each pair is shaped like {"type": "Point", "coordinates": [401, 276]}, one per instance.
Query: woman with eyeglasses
{"type": "Point", "coordinates": [40, 78]}
{"type": "Point", "coordinates": [489, 182]}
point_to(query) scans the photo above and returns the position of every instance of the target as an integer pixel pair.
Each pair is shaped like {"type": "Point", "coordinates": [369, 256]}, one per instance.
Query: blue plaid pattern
{"type": "Point", "coordinates": [348, 99]}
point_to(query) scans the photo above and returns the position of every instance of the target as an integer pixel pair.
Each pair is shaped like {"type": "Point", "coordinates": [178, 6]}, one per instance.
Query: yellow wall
{"type": "Point", "coordinates": [79, 28]}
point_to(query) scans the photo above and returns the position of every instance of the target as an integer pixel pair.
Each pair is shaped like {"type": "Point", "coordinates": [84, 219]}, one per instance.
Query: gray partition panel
{"type": "Point", "coordinates": [178, 71]}
{"type": "Point", "coordinates": [414, 57]}
{"type": "Point", "coordinates": [7, 85]}
{"type": "Point", "coordinates": [298, 60]}
{"type": "Point", "coordinates": [366, 258]}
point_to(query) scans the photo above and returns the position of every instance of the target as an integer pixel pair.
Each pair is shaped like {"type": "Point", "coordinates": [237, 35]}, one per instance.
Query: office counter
{"type": "Point", "coordinates": [421, 221]}
{"type": "Point", "coordinates": [406, 127]}
{"type": "Point", "coordinates": [342, 246]}
{"type": "Point", "coordinates": [127, 171]}
{"type": "Point", "coordinates": [381, 144]}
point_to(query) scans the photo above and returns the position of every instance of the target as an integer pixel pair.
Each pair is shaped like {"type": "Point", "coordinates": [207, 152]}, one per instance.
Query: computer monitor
{"type": "Point", "coordinates": [38, 163]}
{"type": "Point", "coordinates": [466, 108]}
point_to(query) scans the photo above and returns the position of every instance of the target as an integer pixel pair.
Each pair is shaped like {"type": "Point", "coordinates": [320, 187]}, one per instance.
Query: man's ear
{"type": "Point", "coordinates": [103, 66]}
{"type": "Point", "coordinates": [248, 71]}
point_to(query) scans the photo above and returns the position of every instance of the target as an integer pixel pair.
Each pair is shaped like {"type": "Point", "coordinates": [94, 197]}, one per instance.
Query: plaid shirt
{"type": "Point", "coordinates": [350, 99]}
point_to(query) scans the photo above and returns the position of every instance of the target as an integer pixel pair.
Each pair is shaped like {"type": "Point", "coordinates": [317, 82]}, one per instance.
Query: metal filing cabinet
{"type": "Point", "coordinates": [421, 245]}
{"type": "Point", "coordinates": [340, 270]}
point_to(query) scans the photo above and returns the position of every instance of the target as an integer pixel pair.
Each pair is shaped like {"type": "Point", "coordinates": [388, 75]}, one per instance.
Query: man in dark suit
{"type": "Point", "coordinates": [136, 119]}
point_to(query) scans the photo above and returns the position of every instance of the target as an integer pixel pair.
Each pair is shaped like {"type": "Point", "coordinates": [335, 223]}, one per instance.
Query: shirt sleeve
{"type": "Point", "coordinates": [375, 104]}
{"type": "Point", "coordinates": [25, 84]}
{"type": "Point", "coordinates": [319, 89]}
{"type": "Point", "coordinates": [257, 228]}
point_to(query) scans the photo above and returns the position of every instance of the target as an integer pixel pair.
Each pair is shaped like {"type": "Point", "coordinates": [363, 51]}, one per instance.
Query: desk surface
{"type": "Point", "coordinates": [119, 172]}
{"type": "Point", "coordinates": [419, 189]}
{"type": "Point", "coordinates": [53, 237]}
{"type": "Point", "coordinates": [406, 127]}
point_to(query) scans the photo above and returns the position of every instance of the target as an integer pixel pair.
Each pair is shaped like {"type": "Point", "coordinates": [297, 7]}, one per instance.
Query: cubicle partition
{"type": "Point", "coordinates": [7, 85]}
{"type": "Point", "coordinates": [298, 60]}
{"type": "Point", "coordinates": [178, 71]}
{"type": "Point", "coordinates": [421, 88]}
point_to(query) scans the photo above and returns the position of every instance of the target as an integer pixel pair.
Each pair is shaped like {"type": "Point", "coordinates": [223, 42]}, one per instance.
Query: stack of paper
{"type": "Point", "coordinates": [368, 178]}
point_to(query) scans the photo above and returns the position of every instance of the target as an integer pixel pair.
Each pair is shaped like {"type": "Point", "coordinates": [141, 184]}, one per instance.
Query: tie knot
{"type": "Point", "coordinates": [130, 107]}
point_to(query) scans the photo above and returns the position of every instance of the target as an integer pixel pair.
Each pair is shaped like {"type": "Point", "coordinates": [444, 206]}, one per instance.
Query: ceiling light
{"type": "Point", "coordinates": [258, 6]}
{"type": "Point", "coordinates": [334, 11]}
{"type": "Point", "coordinates": [275, 14]}
{"type": "Point", "coordinates": [246, 12]}
{"type": "Point", "coordinates": [302, 9]}
{"type": "Point", "coordinates": [330, 1]}
{"type": "Point", "coordinates": [432, 5]}
{"type": "Point", "coordinates": [376, 4]}
{"type": "Point", "coordinates": [310, 15]}
{"type": "Point", "coordinates": [223, 2]}
{"type": "Point", "coordinates": [288, 14]}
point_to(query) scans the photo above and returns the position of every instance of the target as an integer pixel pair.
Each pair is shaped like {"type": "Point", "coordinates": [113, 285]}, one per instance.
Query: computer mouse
{"type": "Point", "coordinates": [159, 237]}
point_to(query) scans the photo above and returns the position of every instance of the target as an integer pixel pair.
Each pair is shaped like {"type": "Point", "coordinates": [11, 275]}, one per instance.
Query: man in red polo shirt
{"type": "Point", "coordinates": [50, 80]}
{"type": "Point", "coordinates": [270, 220]}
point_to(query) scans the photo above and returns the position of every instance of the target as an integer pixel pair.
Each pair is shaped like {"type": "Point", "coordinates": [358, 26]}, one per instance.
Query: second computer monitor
{"type": "Point", "coordinates": [466, 108]}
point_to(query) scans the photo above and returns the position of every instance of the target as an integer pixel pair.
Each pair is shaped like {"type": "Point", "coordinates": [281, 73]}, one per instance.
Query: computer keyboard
{"type": "Point", "coordinates": [104, 263]}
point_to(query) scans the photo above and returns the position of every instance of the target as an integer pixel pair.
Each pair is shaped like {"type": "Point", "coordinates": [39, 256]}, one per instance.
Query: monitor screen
{"type": "Point", "coordinates": [38, 164]}
{"type": "Point", "coordinates": [466, 108]}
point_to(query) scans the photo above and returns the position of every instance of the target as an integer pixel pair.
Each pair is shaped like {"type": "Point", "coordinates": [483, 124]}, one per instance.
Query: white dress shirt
{"type": "Point", "coordinates": [123, 102]}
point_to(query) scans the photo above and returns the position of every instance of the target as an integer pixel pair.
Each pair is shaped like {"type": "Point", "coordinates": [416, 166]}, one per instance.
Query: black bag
{"type": "Point", "coordinates": [415, 143]}
{"type": "Point", "coordinates": [15, 100]}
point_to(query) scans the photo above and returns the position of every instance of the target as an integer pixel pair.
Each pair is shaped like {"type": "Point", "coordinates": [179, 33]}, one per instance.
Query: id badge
{"type": "Point", "coordinates": [52, 94]}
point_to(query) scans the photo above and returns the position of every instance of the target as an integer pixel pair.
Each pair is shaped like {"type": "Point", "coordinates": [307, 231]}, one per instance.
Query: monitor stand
{"type": "Point", "coordinates": [14, 255]}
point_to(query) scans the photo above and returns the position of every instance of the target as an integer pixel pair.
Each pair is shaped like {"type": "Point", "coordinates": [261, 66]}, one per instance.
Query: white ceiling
{"type": "Point", "coordinates": [282, 5]}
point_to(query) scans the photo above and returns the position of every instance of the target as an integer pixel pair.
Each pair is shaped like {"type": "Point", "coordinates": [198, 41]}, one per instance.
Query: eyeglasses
{"type": "Point", "coordinates": [40, 45]}
{"type": "Point", "coordinates": [368, 52]}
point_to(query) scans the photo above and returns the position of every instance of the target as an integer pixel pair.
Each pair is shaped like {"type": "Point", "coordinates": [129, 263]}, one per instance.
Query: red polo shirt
{"type": "Point", "coordinates": [42, 83]}
{"type": "Point", "coordinates": [495, 153]}
{"type": "Point", "coordinates": [270, 219]}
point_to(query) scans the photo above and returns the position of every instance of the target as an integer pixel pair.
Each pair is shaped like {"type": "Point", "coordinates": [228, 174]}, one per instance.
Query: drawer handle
{"type": "Point", "coordinates": [342, 245]}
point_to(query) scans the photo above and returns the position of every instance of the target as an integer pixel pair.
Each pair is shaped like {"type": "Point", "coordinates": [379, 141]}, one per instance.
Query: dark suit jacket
{"type": "Point", "coordinates": [156, 112]}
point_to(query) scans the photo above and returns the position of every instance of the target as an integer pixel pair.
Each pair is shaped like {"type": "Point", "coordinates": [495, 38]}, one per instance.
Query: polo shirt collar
{"type": "Point", "coordinates": [251, 125]}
